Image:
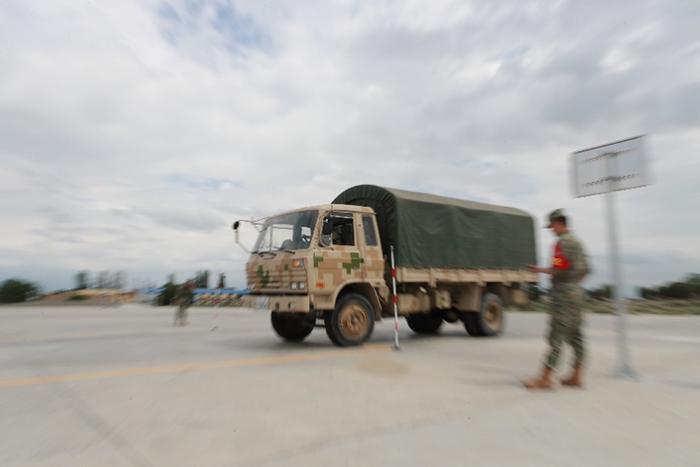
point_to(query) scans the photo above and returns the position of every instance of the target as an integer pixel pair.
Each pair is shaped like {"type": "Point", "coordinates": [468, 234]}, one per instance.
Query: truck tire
{"type": "Point", "coordinates": [489, 320]}
{"type": "Point", "coordinates": [424, 323]}
{"type": "Point", "coordinates": [351, 322]}
{"type": "Point", "coordinates": [292, 327]}
{"type": "Point", "coordinates": [469, 323]}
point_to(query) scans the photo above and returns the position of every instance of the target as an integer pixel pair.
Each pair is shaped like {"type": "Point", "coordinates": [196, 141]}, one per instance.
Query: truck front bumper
{"type": "Point", "coordinates": [286, 303]}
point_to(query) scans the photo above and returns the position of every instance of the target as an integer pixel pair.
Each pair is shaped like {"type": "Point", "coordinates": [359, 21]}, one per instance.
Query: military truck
{"type": "Point", "coordinates": [455, 260]}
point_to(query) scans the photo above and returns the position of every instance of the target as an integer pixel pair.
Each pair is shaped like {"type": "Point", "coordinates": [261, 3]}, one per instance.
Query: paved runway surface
{"type": "Point", "coordinates": [88, 386]}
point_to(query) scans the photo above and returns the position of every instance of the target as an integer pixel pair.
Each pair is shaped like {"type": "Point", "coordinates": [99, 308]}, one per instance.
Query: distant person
{"type": "Point", "coordinates": [184, 298]}
{"type": "Point", "coordinates": [568, 269]}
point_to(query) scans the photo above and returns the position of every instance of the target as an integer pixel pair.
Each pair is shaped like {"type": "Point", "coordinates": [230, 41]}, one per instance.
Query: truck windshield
{"type": "Point", "coordinates": [290, 231]}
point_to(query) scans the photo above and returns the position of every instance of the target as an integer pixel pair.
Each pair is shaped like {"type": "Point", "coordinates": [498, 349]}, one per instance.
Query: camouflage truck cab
{"type": "Point", "coordinates": [306, 262]}
{"type": "Point", "coordinates": [456, 260]}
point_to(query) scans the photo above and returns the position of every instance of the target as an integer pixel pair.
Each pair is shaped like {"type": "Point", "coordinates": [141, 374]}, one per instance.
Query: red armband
{"type": "Point", "coordinates": [560, 262]}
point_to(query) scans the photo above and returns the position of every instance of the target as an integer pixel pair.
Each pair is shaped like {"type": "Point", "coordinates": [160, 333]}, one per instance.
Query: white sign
{"type": "Point", "coordinates": [610, 167]}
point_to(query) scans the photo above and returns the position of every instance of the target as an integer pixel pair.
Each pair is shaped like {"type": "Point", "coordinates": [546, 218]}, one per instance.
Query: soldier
{"type": "Point", "coordinates": [183, 298]}
{"type": "Point", "coordinates": [569, 267]}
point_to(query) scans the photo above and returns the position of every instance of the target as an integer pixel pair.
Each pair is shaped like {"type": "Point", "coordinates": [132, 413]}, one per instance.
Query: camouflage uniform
{"type": "Point", "coordinates": [569, 265]}
{"type": "Point", "coordinates": [184, 298]}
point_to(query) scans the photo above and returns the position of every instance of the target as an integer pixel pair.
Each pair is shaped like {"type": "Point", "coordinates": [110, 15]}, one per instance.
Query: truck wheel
{"type": "Point", "coordinates": [469, 323]}
{"type": "Point", "coordinates": [351, 322]}
{"type": "Point", "coordinates": [292, 326]}
{"type": "Point", "coordinates": [424, 323]}
{"type": "Point", "coordinates": [489, 320]}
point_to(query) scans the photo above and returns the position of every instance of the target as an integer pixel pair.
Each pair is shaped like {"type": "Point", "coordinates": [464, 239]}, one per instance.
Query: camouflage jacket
{"type": "Point", "coordinates": [569, 263]}
{"type": "Point", "coordinates": [185, 295]}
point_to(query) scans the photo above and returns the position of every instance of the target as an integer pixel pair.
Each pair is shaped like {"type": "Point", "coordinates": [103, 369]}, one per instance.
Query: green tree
{"type": "Point", "coordinates": [201, 279]}
{"type": "Point", "coordinates": [693, 281]}
{"type": "Point", "coordinates": [17, 291]}
{"type": "Point", "coordinates": [685, 289]}
{"type": "Point", "coordinates": [82, 280]}
{"type": "Point", "coordinates": [678, 290]}
{"type": "Point", "coordinates": [648, 292]}
{"type": "Point", "coordinates": [167, 295]}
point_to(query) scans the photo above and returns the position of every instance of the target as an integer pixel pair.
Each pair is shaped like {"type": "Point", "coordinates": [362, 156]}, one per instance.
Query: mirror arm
{"type": "Point", "coordinates": [237, 225]}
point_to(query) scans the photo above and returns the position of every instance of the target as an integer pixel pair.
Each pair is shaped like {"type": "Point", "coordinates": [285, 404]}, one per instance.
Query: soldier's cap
{"type": "Point", "coordinates": [553, 216]}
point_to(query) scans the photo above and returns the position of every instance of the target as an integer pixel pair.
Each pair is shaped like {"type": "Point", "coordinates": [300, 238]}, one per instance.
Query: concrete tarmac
{"type": "Point", "coordinates": [119, 386]}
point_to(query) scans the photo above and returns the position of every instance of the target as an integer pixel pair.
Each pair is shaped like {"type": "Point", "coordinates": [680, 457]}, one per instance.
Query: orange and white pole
{"type": "Point", "coordinates": [395, 300]}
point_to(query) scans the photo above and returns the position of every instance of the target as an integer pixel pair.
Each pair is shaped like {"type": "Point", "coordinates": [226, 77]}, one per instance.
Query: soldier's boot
{"type": "Point", "coordinates": [576, 378]}
{"type": "Point", "coordinates": [543, 382]}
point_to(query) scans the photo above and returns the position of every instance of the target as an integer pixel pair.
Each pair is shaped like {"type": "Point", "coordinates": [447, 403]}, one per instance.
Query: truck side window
{"type": "Point", "coordinates": [370, 232]}
{"type": "Point", "coordinates": [343, 229]}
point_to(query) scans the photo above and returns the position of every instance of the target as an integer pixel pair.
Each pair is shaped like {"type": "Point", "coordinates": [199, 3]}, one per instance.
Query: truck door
{"type": "Point", "coordinates": [339, 258]}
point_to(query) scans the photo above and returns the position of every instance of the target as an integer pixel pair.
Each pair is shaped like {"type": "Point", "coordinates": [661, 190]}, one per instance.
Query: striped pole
{"type": "Point", "coordinates": [216, 313]}
{"type": "Point", "coordinates": [395, 301]}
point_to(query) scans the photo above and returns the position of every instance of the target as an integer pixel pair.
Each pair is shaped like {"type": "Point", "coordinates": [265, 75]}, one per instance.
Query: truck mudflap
{"type": "Point", "coordinates": [290, 303]}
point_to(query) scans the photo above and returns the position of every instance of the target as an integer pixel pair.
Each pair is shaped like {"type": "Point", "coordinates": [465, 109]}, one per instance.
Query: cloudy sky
{"type": "Point", "coordinates": [133, 133]}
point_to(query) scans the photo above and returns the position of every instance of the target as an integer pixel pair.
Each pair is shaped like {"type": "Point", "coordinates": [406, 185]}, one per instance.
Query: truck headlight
{"type": "Point", "coordinates": [298, 263]}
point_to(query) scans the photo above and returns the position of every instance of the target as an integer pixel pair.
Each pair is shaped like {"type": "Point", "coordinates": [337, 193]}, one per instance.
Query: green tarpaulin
{"type": "Point", "coordinates": [430, 231]}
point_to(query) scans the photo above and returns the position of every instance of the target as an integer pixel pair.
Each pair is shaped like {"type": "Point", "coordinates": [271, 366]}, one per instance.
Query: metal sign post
{"type": "Point", "coordinates": [604, 170]}
{"type": "Point", "coordinates": [625, 368]}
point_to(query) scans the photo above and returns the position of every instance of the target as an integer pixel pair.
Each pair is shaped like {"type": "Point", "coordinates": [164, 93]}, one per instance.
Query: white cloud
{"type": "Point", "coordinates": [133, 133]}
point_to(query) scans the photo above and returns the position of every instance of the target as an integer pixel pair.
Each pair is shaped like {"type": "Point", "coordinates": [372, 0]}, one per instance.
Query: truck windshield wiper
{"type": "Point", "coordinates": [287, 250]}
{"type": "Point", "coordinates": [266, 252]}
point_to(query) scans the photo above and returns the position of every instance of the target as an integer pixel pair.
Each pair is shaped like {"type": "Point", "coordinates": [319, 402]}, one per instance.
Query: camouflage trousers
{"type": "Point", "coordinates": [181, 313]}
{"type": "Point", "coordinates": [565, 323]}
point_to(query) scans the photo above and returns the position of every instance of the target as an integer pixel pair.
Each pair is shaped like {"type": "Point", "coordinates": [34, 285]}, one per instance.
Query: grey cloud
{"type": "Point", "coordinates": [189, 219]}
{"type": "Point", "coordinates": [159, 144]}
{"type": "Point", "coordinates": [201, 183]}
{"type": "Point", "coordinates": [199, 30]}
{"type": "Point", "coordinates": [571, 89]}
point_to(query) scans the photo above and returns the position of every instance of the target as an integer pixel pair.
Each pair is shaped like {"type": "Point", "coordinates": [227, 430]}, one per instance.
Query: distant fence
{"type": "Point", "coordinates": [202, 297]}
{"type": "Point", "coordinates": [220, 297]}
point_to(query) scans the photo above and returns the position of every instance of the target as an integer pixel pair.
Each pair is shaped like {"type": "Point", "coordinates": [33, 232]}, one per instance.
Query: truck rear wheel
{"type": "Point", "coordinates": [292, 326]}
{"type": "Point", "coordinates": [424, 323]}
{"type": "Point", "coordinates": [351, 322]}
{"type": "Point", "coordinates": [489, 320]}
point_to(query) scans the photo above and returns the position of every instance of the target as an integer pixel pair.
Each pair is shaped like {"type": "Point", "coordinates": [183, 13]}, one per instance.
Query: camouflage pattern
{"type": "Point", "coordinates": [276, 274]}
{"type": "Point", "coordinates": [185, 294]}
{"type": "Point", "coordinates": [573, 251]}
{"type": "Point", "coordinates": [184, 298]}
{"type": "Point", "coordinates": [565, 323]}
{"type": "Point", "coordinates": [566, 300]}
{"type": "Point", "coordinates": [325, 269]}
{"type": "Point", "coordinates": [346, 264]}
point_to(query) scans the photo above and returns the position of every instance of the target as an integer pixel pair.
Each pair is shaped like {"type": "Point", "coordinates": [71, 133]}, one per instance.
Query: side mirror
{"type": "Point", "coordinates": [236, 225]}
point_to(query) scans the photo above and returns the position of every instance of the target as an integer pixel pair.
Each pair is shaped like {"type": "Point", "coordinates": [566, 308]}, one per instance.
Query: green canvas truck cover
{"type": "Point", "coordinates": [430, 231]}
